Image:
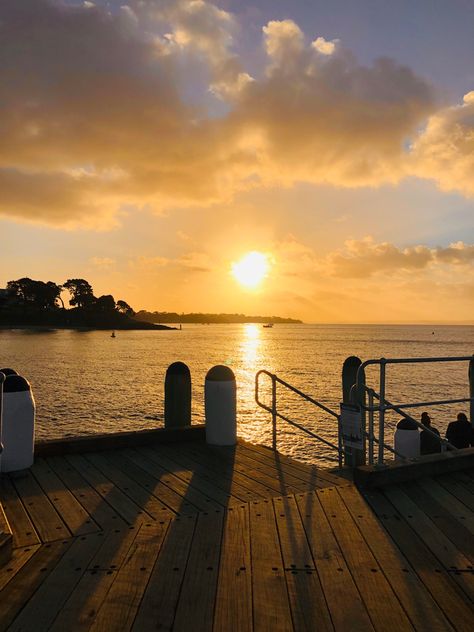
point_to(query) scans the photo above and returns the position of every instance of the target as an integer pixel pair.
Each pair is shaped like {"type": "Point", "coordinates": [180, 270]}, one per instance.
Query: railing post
{"type": "Point", "coordinates": [471, 389]}
{"type": "Point", "coordinates": [2, 379]}
{"type": "Point", "coordinates": [382, 410]}
{"type": "Point", "coordinates": [274, 413]}
{"type": "Point", "coordinates": [371, 427]}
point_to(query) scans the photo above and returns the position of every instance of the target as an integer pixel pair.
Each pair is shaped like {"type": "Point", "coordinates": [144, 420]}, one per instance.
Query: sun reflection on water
{"type": "Point", "coordinates": [251, 343]}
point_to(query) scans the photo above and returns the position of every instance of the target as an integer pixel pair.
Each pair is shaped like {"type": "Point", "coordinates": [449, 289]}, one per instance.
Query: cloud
{"type": "Point", "coordinates": [365, 258]}
{"type": "Point", "coordinates": [98, 111]}
{"type": "Point", "coordinates": [324, 46]}
{"type": "Point", "coordinates": [190, 261]}
{"type": "Point", "coordinates": [444, 151]}
{"type": "Point", "coordinates": [104, 263]}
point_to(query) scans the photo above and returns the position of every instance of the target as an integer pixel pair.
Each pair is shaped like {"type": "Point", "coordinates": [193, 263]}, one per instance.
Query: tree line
{"type": "Point", "coordinates": [30, 294]}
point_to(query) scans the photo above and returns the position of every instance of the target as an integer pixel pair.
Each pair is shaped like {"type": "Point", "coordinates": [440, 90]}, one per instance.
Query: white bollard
{"type": "Point", "coordinates": [18, 424]}
{"type": "Point", "coordinates": [220, 400]}
{"type": "Point", "coordinates": [406, 440]}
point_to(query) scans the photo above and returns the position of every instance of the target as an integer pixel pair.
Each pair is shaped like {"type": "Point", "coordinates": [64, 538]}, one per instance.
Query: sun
{"type": "Point", "coordinates": [251, 269]}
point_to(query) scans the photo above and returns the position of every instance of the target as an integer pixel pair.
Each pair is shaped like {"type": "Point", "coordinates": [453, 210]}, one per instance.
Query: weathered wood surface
{"type": "Point", "coordinates": [188, 537]}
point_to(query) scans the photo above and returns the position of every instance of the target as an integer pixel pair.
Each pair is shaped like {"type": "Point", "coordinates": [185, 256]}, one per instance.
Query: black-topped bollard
{"type": "Point", "coordinates": [406, 439]}
{"type": "Point", "coordinates": [353, 456]}
{"type": "Point", "coordinates": [177, 396]}
{"type": "Point", "coordinates": [18, 424]}
{"type": "Point", "coordinates": [220, 398]}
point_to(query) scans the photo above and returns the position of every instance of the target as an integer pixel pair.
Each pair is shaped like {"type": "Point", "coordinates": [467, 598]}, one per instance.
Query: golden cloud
{"type": "Point", "coordinates": [94, 117]}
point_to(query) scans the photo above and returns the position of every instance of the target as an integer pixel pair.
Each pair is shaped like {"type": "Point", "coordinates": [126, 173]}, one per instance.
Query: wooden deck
{"type": "Point", "coordinates": [188, 537]}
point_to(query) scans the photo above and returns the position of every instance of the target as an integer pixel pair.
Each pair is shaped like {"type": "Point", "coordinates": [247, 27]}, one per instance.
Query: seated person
{"type": "Point", "coordinates": [460, 432]}
{"type": "Point", "coordinates": [428, 443]}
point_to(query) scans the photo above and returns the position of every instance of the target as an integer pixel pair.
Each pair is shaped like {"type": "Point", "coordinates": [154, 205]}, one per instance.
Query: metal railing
{"type": "Point", "coordinates": [277, 415]}
{"type": "Point", "coordinates": [384, 405]}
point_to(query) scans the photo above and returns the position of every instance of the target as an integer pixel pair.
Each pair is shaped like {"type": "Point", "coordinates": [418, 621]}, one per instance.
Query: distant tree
{"type": "Point", "coordinates": [81, 292]}
{"type": "Point", "coordinates": [36, 293]}
{"type": "Point", "coordinates": [124, 308]}
{"type": "Point", "coordinates": [105, 303]}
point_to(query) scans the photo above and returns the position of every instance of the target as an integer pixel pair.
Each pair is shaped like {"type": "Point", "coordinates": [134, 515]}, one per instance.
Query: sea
{"type": "Point", "coordinates": [87, 382]}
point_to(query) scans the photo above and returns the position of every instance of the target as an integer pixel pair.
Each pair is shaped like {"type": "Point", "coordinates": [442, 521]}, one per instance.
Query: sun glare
{"type": "Point", "coordinates": [251, 269]}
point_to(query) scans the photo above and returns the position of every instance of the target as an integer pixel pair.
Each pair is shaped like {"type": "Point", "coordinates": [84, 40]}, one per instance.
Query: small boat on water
{"type": "Point", "coordinates": [268, 325]}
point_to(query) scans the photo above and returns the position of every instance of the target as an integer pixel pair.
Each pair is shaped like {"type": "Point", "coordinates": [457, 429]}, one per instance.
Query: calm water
{"type": "Point", "coordinates": [88, 382]}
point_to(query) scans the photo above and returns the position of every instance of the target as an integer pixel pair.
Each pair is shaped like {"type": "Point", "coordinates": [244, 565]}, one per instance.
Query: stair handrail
{"type": "Point", "coordinates": [275, 414]}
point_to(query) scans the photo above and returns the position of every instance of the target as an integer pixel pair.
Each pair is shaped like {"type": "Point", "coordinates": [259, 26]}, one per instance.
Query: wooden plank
{"type": "Point", "coordinates": [304, 469]}
{"type": "Point", "coordinates": [282, 481]}
{"type": "Point", "coordinates": [444, 505]}
{"type": "Point", "coordinates": [338, 586]}
{"type": "Point", "coordinates": [418, 603]}
{"type": "Point", "coordinates": [449, 556]}
{"type": "Point", "coordinates": [458, 490]}
{"type": "Point", "coordinates": [428, 568]}
{"type": "Point", "coordinates": [142, 497]}
{"type": "Point", "coordinates": [42, 608]}
{"type": "Point", "coordinates": [307, 602]}
{"type": "Point", "coordinates": [216, 488]}
{"type": "Point", "coordinates": [382, 604]}
{"type": "Point", "coordinates": [18, 558]}
{"type": "Point", "coordinates": [103, 514]}
{"type": "Point", "coordinates": [165, 496]}
{"type": "Point", "coordinates": [22, 587]}
{"type": "Point", "coordinates": [158, 605]}
{"type": "Point", "coordinates": [6, 538]}
{"type": "Point", "coordinates": [120, 502]}
{"type": "Point", "coordinates": [47, 522]}
{"type": "Point", "coordinates": [121, 604]}
{"type": "Point", "coordinates": [311, 475]}
{"type": "Point", "coordinates": [230, 463]}
{"type": "Point", "coordinates": [198, 592]}
{"type": "Point", "coordinates": [244, 487]}
{"type": "Point", "coordinates": [195, 496]}
{"type": "Point", "coordinates": [271, 608]}
{"type": "Point", "coordinates": [89, 594]}
{"type": "Point", "coordinates": [209, 467]}
{"type": "Point", "coordinates": [23, 531]}
{"type": "Point", "coordinates": [71, 511]}
{"type": "Point", "coordinates": [233, 610]}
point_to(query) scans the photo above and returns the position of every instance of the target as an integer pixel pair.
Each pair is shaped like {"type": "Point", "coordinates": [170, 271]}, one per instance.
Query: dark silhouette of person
{"type": "Point", "coordinates": [460, 432]}
{"type": "Point", "coordinates": [428, 443]}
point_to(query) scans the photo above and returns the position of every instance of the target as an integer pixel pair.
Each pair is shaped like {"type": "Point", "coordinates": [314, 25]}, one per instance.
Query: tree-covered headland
{"type": "Point", "coordinates": [27, 302]}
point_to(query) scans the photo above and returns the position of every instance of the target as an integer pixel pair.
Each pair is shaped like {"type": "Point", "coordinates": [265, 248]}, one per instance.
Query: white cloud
{"type": "Point", "coordinates": [323, 46]}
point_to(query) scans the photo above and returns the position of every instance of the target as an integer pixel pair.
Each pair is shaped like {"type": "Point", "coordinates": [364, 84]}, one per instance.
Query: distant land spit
{"type": "Point", "coordinates": [200, 318]}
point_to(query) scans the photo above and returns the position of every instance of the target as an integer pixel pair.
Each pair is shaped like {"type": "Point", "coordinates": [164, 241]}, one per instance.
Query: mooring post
{"type": "Point", "coordinates": [350, 395]}
{"type": "Point", "coordinates": [177, 396]}
{"type": "Point", "coordinates": [471, 389]}
{"type": "Point", "coordinates": [220, 403]}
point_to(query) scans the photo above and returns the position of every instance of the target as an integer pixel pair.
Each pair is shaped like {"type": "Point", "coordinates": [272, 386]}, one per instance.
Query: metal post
{"type": "Point", "coordinates": [471, 389]}
{"type": "Point", "coordinates": [382, 410]}
{"type": "Point", "coordinates": [2, 379]}
{"type": "Point", "coordinates": [274, 413]}
{"type": "Point", "coordinates": [371, 427]}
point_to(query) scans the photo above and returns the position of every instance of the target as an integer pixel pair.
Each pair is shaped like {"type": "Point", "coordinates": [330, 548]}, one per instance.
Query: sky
{"type": "Point", "coordinates": [148, 146]}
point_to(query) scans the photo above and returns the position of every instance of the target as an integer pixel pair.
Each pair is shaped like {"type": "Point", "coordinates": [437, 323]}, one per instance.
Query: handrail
{"type": "Point", "coordinates": [275, 414]}
{"type": "Point", "coordinates": [384, 405]}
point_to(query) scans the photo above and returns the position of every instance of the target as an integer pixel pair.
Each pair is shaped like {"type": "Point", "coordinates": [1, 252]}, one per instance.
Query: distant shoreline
{"type": "Point", "coordinates": [133, 327]}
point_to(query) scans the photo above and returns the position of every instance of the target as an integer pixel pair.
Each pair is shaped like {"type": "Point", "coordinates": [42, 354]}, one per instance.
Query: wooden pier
{"type": "Point", "coordinates": [187, 537]}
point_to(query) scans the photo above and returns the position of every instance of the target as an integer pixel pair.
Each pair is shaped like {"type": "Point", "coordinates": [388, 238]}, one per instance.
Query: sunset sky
{"type": "Point", "coordinates": [149, 145]}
